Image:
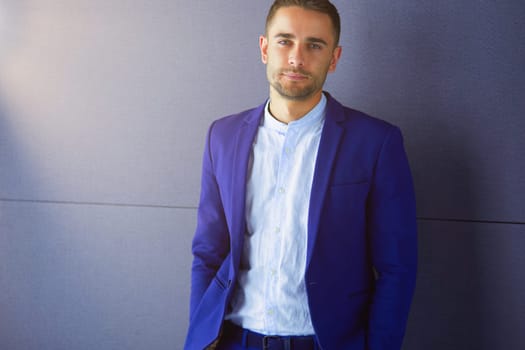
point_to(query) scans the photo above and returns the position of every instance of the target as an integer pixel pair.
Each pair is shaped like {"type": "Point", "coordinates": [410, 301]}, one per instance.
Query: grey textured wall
{"type": "Point", "coordinates": [104, 105]}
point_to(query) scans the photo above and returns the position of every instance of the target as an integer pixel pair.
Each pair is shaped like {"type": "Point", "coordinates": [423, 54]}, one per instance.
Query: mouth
{"type": "Point", "coordinates": [294, 76]}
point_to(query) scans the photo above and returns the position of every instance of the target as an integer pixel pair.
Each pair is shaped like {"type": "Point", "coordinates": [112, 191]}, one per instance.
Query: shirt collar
{"type": "Point", "coordinates": [315, 116]}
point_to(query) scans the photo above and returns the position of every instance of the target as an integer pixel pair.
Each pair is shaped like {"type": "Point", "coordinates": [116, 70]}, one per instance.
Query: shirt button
{"type": "Point", "coordinates": [281, 190]}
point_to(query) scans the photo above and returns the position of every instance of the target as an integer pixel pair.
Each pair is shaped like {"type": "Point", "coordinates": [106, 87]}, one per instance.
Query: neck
{"type": "Point", "coordinates": [287, 110]}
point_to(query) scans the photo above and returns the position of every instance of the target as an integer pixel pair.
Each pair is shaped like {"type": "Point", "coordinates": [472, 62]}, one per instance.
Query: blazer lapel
{"type": "Point", "coordinates": [243, 145]}
{"type": "Point", "coordinates": [329, 143]}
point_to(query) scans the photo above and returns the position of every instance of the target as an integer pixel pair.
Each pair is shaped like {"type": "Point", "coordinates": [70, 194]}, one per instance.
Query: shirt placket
{"type": "Point", "coordinates": [276, 229]}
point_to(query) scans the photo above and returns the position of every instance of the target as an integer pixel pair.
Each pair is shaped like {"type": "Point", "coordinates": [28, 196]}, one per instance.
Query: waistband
{"type": "Point", "coordinates": [256, 340]}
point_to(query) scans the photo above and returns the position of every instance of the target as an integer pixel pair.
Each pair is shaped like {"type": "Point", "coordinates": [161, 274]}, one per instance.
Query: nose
{"type": "Point", "coordinates": [296, 57]}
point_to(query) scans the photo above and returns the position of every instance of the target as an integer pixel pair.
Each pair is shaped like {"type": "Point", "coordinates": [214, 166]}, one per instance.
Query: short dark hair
{"type": "Point", "coordinates": [323, 6]}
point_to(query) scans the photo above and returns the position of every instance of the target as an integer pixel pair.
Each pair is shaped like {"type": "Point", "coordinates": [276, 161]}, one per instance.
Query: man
{"type": "Point", "coordinates": [306, 233]}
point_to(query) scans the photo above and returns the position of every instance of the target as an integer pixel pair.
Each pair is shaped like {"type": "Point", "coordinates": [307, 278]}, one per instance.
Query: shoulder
{"type": "Point", "coordinates": [225, 133]}
{"type": "Point", "coordinates": [352, 119]}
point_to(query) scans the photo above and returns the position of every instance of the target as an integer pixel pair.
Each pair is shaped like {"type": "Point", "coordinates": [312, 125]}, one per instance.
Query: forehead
{"type": "Point", "coordinates": [301, 22]}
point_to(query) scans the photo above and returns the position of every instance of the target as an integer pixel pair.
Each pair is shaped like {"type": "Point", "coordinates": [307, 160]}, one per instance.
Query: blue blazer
{"type": "Point", "coordinates": [362, 249]}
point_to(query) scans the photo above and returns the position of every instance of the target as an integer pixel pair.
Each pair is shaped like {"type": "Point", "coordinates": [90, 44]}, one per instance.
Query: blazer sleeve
{"type": "Point", "coordinates": [393, 240]}
{"type": "Point", "coordinates": [210, 244]}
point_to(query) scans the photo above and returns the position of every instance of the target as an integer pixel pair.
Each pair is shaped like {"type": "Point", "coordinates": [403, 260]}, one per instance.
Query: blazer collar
{"type": "Point", "coordinates": [241, 155]}
{"type": "Point", "coordinates": [330, 139]}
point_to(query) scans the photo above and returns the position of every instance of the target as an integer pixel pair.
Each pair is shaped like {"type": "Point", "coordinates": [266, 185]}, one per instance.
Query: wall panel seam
{"type": "Point", "coordinates": [107, 204]}
{"type": "Point", "coordinates": [424, 219]}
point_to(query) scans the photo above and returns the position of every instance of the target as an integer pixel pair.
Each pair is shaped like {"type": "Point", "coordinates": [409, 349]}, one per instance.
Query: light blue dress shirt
{"type": "Point", "coordinates": [271, 294]}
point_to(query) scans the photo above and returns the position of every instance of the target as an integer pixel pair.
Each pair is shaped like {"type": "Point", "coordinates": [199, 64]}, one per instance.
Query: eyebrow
{"type": "Point", "coordinates": [308, 39]}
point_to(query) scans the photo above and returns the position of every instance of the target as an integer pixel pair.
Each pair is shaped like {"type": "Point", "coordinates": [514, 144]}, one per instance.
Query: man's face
{"type": "Point", "coordinates": [299, 50]}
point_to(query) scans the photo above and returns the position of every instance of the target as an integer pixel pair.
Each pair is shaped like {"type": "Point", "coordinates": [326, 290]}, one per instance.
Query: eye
{"type": "Point", "coordinates": [283, 42]}
{"type": "Point", "coordinates": [314, 46]}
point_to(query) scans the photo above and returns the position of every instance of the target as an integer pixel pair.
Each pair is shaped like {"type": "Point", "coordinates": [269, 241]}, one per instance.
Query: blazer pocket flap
{"type": "Point", "coordinates": [340, 185]}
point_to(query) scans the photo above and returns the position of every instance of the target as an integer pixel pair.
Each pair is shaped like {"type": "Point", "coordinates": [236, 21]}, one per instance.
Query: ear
{"type": "Point", "coordinates": [263, 45]}
{"type": "Point", "coordinates": [336, 55]}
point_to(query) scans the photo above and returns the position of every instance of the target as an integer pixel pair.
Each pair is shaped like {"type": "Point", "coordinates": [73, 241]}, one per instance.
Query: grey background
{"type": "Point", "coordinates": [104, 105]}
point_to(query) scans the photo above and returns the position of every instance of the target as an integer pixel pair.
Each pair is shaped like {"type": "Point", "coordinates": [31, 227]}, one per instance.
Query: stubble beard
{"type": "Point", "coordinates": [296, 91]}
